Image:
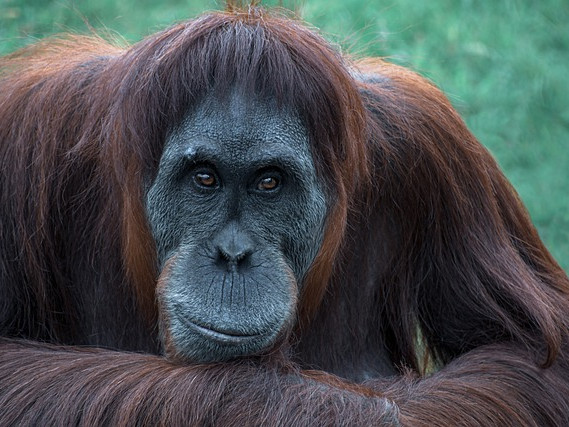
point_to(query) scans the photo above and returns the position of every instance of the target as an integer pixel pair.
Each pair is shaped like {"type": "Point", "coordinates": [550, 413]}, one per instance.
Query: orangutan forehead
{"type": "Point", "coordinates": [237, 117]}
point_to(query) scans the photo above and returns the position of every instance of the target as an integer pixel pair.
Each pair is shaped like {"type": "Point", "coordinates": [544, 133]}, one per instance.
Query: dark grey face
{"type": "Point", "coordinates": [237, 212]}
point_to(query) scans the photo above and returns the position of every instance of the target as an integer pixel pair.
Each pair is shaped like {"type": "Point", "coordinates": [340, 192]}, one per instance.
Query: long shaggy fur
{"type": "Point", "coordinates": [428, 250]}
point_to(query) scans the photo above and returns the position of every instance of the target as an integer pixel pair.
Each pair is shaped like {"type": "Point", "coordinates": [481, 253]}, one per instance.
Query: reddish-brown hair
{"type": "Point", "coordinates": [465, 257]}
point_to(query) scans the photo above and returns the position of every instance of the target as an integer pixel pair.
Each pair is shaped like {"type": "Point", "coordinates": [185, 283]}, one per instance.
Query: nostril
{"type": "Point", "coordinates": [222, 255]}
{"type": "Point", "coordinates": [242, 255]}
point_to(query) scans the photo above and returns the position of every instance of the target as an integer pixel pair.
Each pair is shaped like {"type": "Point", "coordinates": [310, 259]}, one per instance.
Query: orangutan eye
{"type": "Point", "coordinates": [268, 183]}
{"type": "Point", "coordinates": [205, 179]}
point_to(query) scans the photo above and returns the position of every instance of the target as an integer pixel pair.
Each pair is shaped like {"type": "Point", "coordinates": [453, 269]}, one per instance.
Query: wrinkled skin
{"type": "Point", "coordinates": [237, 212]}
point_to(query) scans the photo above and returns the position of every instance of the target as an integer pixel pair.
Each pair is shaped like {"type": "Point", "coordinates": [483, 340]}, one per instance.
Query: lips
{"type": "Point", "coordinates": [223, 337]}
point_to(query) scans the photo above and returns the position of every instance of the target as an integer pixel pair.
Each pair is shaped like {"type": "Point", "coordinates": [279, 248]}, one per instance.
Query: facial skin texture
{"type": "Point", "coordinates": [237, 212]}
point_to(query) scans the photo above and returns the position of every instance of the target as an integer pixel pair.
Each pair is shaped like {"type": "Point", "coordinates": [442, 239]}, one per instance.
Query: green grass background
{"type": "Point", "coordinates": [504, 64]}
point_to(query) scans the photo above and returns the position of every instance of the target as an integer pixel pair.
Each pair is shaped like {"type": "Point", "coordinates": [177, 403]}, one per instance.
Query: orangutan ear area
{"type": "Point", "coordinates": [232, 223]}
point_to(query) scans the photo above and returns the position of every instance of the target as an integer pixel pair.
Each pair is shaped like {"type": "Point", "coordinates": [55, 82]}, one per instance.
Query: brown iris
{"type": "Point", "coordinates": [205, 179]}
{"type": "Point", "coordinates": [268, 183]}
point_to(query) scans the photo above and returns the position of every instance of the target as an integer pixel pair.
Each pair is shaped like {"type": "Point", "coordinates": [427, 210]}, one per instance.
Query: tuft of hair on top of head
{"type": "Point", "coordinates": [255, 9]}
{"type": "Point", "coordinates": [241, 5]}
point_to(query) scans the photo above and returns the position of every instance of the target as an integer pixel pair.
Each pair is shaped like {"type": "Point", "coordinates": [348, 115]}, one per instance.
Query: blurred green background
{"type": "Point", "coordinates": [504, 64]}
